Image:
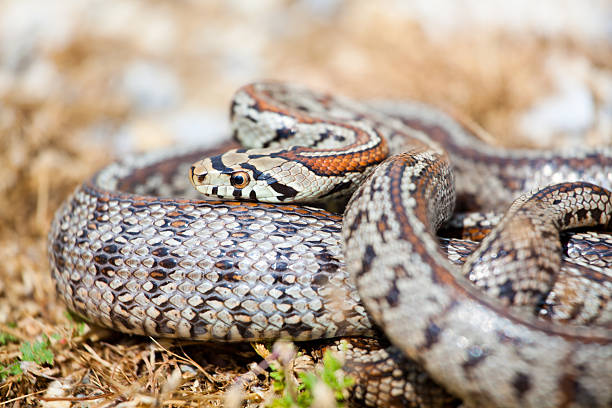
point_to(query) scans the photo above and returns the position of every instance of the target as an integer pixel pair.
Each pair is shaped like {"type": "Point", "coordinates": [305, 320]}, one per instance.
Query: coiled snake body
{"type": "Point", "coordinates": [126, 258]}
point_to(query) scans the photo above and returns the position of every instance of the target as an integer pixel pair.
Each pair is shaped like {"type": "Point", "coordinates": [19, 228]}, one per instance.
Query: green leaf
{"type": "Point", "coordinates": [6, 338]}
{"type": "Point", "coordinates": [10, 370]}
{"type": "Point", "coordinates": [38, 352]}
{"type": "Point", "coordinates": [81, 328]}
{"type": "Point", "coordinates": [328, 375]}
{"type": "Point", "coordinates": [76, 322]}
{"type": "Point", "coordinates": [284, 402]}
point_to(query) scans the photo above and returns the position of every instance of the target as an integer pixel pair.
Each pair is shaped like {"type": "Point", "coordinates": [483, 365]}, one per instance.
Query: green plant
{"type": "Point", "coordinates": [6, 338]}
{"type": "Point", "coordinates": [329, 375]}
{"type": "Point", "coordinates": [76, 323]}
{"type": "Point", "coordinates": [38, 352]}
{"type": "Point", "coordinates": [10, 370]}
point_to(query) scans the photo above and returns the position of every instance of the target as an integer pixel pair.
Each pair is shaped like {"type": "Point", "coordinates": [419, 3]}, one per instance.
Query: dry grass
{"type": "Point", "coordinates": [43, 157]}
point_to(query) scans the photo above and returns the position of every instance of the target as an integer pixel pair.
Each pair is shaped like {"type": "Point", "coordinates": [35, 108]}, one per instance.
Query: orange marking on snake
{"type": "Point", "coordinates": [335, 164]}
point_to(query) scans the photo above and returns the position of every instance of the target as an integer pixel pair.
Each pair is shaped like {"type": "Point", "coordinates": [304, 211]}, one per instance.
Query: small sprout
{"type": "Point", "coordinates": [81, 328]}
{"type": "Point", "coordinates": [6, 338]}
{"type": "Point", "coordinates": [10, 370]}
{"type": "Point", "coordinates": [319, 388]}
{"type": "Point", "coordinates": [38, 352]}
{"type": "Point", "coordinates": [76, 323]}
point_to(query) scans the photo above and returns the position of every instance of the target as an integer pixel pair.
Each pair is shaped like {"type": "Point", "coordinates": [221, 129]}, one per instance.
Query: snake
{"type": "Point", "coordinates": [137, 249]}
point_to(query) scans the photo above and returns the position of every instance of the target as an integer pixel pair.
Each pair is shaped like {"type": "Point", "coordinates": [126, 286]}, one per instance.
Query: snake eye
{"type": "Point", "coordinates": [239, 179]}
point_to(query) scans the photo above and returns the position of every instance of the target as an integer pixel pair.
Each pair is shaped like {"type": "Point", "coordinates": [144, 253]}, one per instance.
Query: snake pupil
{"type": "Point", "coordinates": [239, 179]}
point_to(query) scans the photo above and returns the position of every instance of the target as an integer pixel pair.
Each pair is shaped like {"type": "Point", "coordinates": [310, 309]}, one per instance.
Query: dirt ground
{"type": "Point", "coordinates": [85, 83]}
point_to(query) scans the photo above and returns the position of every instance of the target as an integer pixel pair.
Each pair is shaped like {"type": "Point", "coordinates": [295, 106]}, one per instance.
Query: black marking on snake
{"type": "Point", "coordinates": [198, 328]}
{"type": "Point", "coordinates": [548, 234]}
{"type": "Point", "coordinates": [382, 226]}
{"type": "Point", "coordinates": [366, 261]}
{"type": "Point", "coordinates": [119, 318]}
{"type": "Point", "coordinates": [546, 310]}
{"type": "Point", "coordinates": [503, 337]}
{"type": "Point", "coordinates": [574, 391]}
{"type": "Point", "coordinates": [276, 154]}
{"type": "Point", "coordinates": [337, 188]}
{"type": "Point", "coordinates": [475, 356]}
{"type": "Point", "coordinates": [235, 253]}
{"type": "Point", "coordinates": [331, 228]}
{"type": "Point", "coordinates": [329, 267]}
{"type": "Point", "coordinates": [168, 263]}
{"type": "Point", "coordinates": [356, 222]}
{"type": "Point", "coordinates": [107, 273]}
{"type": "Point", "coordinates": [303, 108]}
{"type": "Point", "coordinates": [323, 136]}
{"type": "Point", "coordinates": [160, 252]}
{"type": "Point", "coordinates": [118, 261]}
{"type": "Point", "coordinates": [323, 257]}
{"type": "Point", "coordinates": [327, 262]}
{"type": "Point", "coordinates": [507, 291]}
{"type": "Point", "coordinates": [285, 190]}
{"type": "Point", "coordinates": [110, 249]}
{"type": "Point", "coordinates": [288, 230]}
{"type": "Point", "coordinates": [521, 383]}
{"type": "Point", "coordinates": [217, 164]}
{"type": "Point", "coordinates": [215, 190]}
{"type": "Point", "coordinates": [596, 213]}
{"type": "Point", "coordinates": [237, 193]}
{"type": "Point", "coordinates": [224, 265]}
{"type": "Point", "coordinates": [393, 294]}
{"type": "Point", "coordinates": [100, 259]}
{"type": "Point", "coordinates": [233, 106]}
{"type": "Point", "coordinates": [281, 134]}
{"type": "Point", "coordinates": [432, 335]}
{"type": "Point", "coordinates": [59, 260]}
{"type": "Point", "coordinates": [257, 175]}
{"type": "Point", "coordinates": [165, 329]}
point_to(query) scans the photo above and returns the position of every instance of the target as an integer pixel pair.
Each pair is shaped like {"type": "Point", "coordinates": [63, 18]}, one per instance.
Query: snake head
{"type": "Point", "coordinates": [255, 174]}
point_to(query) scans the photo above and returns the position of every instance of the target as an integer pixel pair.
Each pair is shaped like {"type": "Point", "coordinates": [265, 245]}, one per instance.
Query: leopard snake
{"type": "Point", "coordinates": [136, 249]}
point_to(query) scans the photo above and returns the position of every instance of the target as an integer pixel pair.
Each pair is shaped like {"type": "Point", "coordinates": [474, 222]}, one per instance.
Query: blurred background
{"type": "Point", "coordinates": [85, 81]}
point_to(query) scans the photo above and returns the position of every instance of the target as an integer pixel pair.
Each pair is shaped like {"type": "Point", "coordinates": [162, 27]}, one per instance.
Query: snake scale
{"type": "Point", "coordinates": [136, 249]}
